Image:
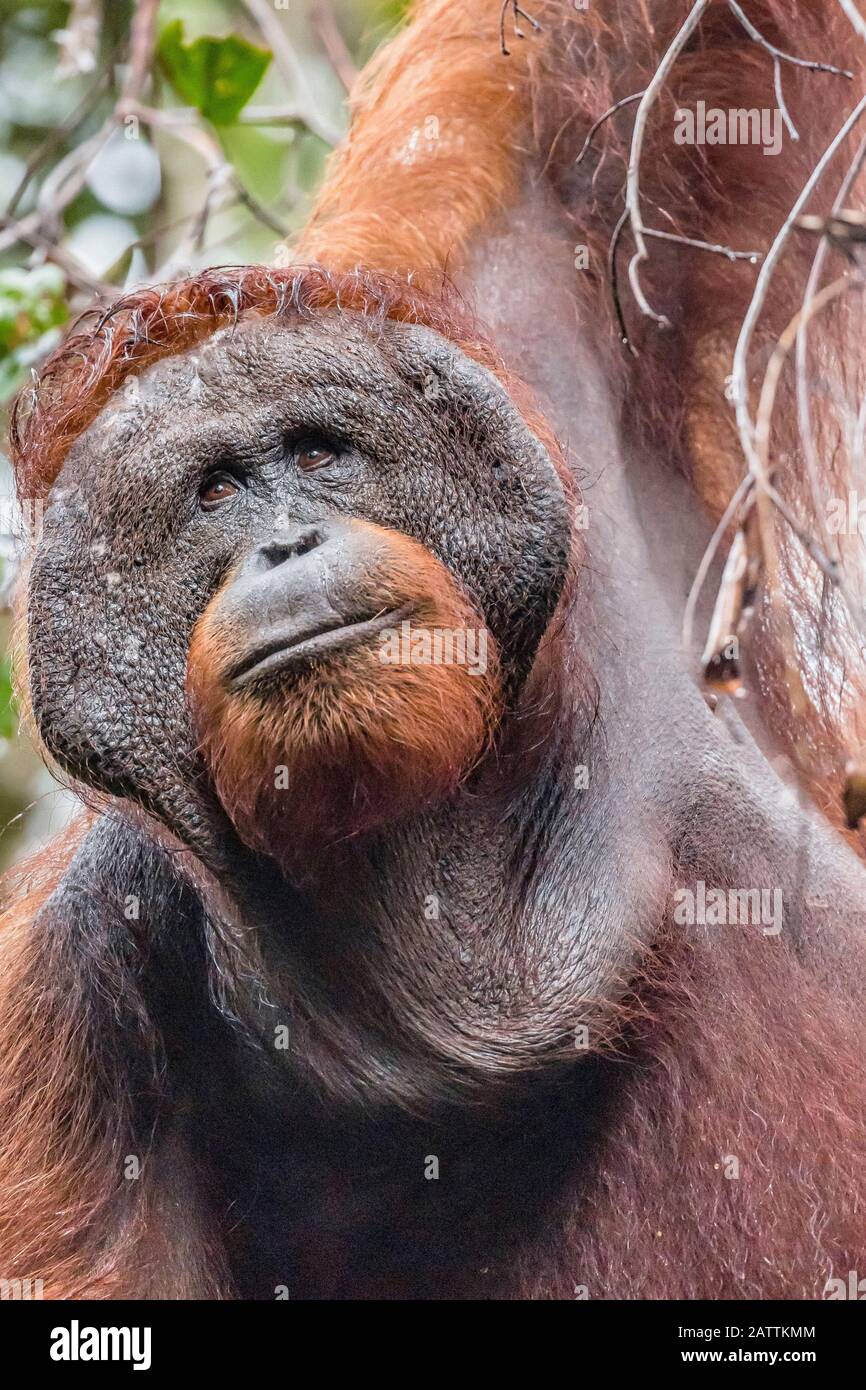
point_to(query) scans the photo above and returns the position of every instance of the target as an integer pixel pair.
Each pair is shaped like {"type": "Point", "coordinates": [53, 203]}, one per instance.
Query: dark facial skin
{"type": "Point", "coordinates": [267, 436]}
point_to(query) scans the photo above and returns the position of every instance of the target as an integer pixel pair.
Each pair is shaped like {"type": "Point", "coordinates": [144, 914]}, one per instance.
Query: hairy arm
{"type": "Point", "coordinates": [98, 980]}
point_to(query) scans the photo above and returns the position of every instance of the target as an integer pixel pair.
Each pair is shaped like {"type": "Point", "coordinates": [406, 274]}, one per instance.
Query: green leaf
{"type": "Point", "coordinates": [32, 308]}
{"type": "Point", "coordinates": [216, 76]}
{"type": "Point", "coordinates": [393, 12]}
{"type": "Point", "coordinates": [8, 716]}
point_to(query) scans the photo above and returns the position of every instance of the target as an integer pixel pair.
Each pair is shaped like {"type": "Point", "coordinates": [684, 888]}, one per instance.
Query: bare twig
{"type": "Point", "coordinates": [779, 92]}
{"type": "Point", "coordinates": [855, 17]}
{"type": "Point", "coordinates": [632, 193]}
{"type": "Point", "coordinates": [221, 177]}
{"type": "Point", "coordinates": [20, 230]}
{"type": "Point", "coordinates": [285, 115]}
{"type": "Point", "coordinates": [844, 227]}
{"type": "Point", "coordinates": [287, 61]}
{"type": "Point", "coordinates": [764, 415]}
{"type": "Point", "coordinates": [42, 228]}
{"type": "Point", "coordinates": [68, 177]}
{"type": "Point", "coordinates": [734, 608]}
{"type": "Point", "coordinates": [613, 277]}
{"type": "Point", "coordinates": [633, 215]}
{"type": "Point", "coordinates": [596, 125]}
{"type": "Point", "coordinates": [56, 137]}
{"type": "Point", "coordinates": [78, 40]}
{"type": "Point", "coordinates": [72, 268]}
{"type": "Point", "coordinates": [697, 245]}
{"type": "Point", "coordinates": [763, 425]}
{"type": "Point", "coordinates": [768, 498]}
{"type": "Point", "coordinates": [804, 410]}
{"type": "Point", "coordinates": [754, 446]}
{"type": "Point", "coordinates": [518, 32]}
{"type": "Point", "coordinates": [677, 239]}
{"type": "Point", "coordinates": [779, 57]}
{"type": "Point", "coordinates": [739, 376]}
{"type": "Point", "coordinates": [743, 490]}
{"type": "Point", "coordinates": [859, 433]}
{"type": "Point", "coordinates": [273, 115]}
{"type": "Point", "coordinates": [328, 30]}
{"type": "Point", "coordinates": [779, 53]}
{"type": "Point", "coordinates": [142, 41]}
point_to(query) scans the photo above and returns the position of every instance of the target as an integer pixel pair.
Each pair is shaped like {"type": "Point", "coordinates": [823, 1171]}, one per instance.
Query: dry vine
{"type": "Point", "coordinates": [757, 504]}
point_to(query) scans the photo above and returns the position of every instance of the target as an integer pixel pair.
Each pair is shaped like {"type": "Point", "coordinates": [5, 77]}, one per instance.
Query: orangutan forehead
{"type": "Point", "coordinates": [232, 386]}
{"type": "Point", "coordinates": [156, 323]}
{"type": "Point", "coordinates": [380, 374]}
{"type": "Point", "coordinates": [397, 392]}
{"type": "Point", "coordinates": [260, 352]}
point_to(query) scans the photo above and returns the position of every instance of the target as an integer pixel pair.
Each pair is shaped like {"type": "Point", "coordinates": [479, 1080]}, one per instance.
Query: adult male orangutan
{"type": "Point", "coordinates": [400, 975]}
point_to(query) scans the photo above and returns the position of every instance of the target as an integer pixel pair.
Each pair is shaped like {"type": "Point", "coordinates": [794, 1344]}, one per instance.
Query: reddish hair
{"type": "Point", "coordinates": [367, 745]}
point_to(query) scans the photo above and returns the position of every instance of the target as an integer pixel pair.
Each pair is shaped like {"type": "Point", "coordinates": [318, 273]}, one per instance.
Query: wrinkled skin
{"type": "Point", "coordinates": [426, 444]}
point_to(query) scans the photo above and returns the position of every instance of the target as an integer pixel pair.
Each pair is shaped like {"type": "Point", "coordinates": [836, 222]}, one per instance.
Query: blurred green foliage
{"type": "Point", "coordinates": [8, 717]}
{"type": "Point", "coordinates": [32, 308]}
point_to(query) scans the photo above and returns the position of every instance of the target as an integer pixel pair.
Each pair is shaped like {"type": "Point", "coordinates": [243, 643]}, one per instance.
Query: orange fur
{"type": "Point", "coordinates": [440, 116]}
{"type": "Point", "coordinates": [363, 743]}
{"type": "Point", "coordinates": [68, 1216]}
{"type": "Point", "coordinates": [48, 1154]}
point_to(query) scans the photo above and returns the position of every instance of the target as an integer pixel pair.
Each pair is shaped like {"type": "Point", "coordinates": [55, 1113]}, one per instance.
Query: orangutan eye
{"type": "Point", "coordinates": [312, 453]}
{"type": "Point", "coordinates": [217, 489]}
